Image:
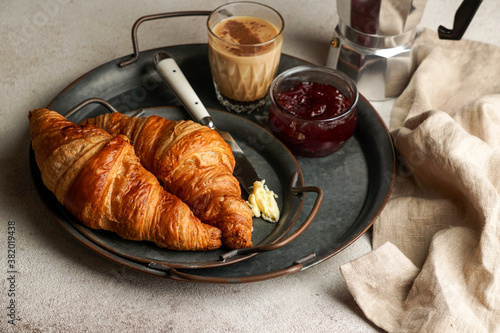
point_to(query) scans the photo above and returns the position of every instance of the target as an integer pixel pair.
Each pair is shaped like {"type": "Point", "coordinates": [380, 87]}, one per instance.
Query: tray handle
{"type": "Point", "coordinates": [97, 100]}
{"type": "Point", "coordinates": [173, 273]}
{"type": "Point", "coordinates": [135, 27]}
{"type": "Point", "coordinates": [86, 102]}
{"type": "Point", "coordinates": [294, 235]}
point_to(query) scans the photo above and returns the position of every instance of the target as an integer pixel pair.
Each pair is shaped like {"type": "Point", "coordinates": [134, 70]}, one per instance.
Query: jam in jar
{"type": "Point", "coordinates": [313, 110]}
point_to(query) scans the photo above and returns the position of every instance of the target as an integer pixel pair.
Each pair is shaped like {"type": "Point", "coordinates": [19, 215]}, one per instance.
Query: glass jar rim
{"type": "Point", "coordinates": [313, 68]}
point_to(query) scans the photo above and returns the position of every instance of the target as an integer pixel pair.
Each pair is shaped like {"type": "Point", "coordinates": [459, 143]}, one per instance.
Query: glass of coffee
{"type": "Point", "coordinates": [244, 47]}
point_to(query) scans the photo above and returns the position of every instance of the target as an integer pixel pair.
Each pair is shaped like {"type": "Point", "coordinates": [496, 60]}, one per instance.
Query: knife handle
{"type": "Point", "coordinates": [173, 76]}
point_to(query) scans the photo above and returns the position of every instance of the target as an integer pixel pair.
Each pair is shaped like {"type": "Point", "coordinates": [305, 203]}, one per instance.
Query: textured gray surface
{"type": "Point", "coordinates": [60, 285]}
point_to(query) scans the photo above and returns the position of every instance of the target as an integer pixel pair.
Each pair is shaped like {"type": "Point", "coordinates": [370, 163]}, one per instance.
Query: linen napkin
{"type": "Point", "coordinates": [435, 266]}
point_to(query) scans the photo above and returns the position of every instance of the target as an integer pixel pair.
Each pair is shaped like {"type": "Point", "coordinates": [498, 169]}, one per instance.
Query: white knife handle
{"type": "Point", "coordinates": [174, 77]}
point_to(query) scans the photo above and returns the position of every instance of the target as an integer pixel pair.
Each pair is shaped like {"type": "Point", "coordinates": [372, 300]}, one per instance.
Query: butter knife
{"type": "Point", "coordinates": [173, 76]}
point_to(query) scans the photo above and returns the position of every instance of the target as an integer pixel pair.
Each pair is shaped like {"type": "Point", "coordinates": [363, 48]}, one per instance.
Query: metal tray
{"type": "Point", "coordinates": [356, 180]}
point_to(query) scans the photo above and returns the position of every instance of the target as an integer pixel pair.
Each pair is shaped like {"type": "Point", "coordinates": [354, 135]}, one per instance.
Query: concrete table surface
{"type": "Point", "coordinates": [62, 286]}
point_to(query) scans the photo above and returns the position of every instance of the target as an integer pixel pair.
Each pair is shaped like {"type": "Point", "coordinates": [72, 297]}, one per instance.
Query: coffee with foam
{"type": "Point", "coordinates": [244, 54]}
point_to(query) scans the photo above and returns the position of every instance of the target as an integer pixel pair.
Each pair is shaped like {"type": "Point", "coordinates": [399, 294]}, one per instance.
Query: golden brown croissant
{"type": "Point", "coordinates": [100, 180]}
{"type": "Point", "coordinates": [194, 163]}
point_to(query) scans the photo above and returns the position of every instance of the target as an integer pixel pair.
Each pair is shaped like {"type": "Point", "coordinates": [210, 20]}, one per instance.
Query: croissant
{"type": "Point", "coordinates": [194, 163]}
{"type": "Point", "coordinates": [98, 178]}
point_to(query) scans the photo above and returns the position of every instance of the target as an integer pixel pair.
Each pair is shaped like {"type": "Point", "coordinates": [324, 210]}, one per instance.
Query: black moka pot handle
{"type": "Point", "coordinates": [463, 17]}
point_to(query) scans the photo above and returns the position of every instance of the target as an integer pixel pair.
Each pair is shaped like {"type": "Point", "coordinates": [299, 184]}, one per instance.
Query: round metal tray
{"type": "Point", "coordinates": [356, 180]}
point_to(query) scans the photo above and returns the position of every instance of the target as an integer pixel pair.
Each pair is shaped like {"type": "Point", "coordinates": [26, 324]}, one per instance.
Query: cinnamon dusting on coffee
{"type": "Point", "coordinates": [245, 30]}
{"type": "Point", "coordinates": [239, 32]}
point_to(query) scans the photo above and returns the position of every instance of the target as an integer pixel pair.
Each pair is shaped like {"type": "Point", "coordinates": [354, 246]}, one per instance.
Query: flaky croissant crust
{"type": "Point", "coordinates": [194, 163]}
{"type": "Point", "coordinates": [100, 180]}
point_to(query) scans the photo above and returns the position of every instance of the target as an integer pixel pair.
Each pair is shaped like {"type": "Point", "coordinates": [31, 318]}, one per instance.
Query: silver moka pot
{"type": "Point", "coordinates": [373, 42]}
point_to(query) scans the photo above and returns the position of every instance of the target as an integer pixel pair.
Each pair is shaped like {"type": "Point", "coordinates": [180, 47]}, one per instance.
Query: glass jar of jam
{"type": "Point", "coordinates": [313, 110]}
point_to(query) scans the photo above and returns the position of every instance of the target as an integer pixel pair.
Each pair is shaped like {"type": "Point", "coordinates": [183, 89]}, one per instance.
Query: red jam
{"type": "Point", "coordinates": [312, 120]}
{"type": "Point", "coordinates": [313, 101]}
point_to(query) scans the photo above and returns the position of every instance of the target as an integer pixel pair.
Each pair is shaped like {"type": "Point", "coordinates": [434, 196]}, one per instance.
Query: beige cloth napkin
{"type": "Point", "coordinates": [435, 266]}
